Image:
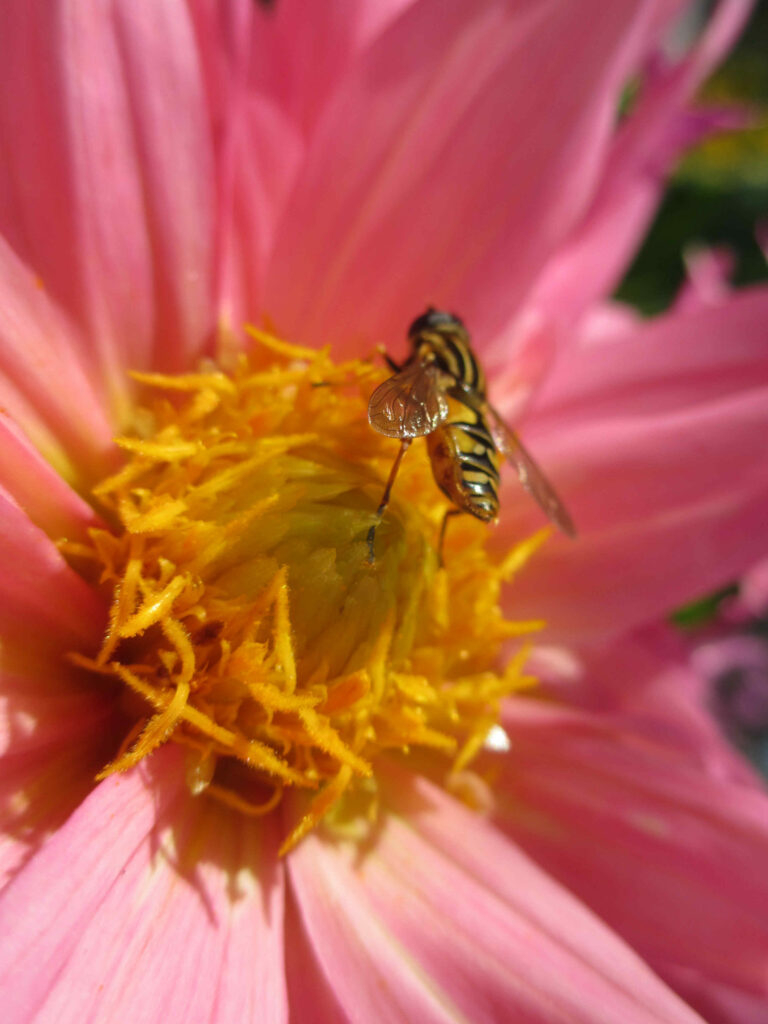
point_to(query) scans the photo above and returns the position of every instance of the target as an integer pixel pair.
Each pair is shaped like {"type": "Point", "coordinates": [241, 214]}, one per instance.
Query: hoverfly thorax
{"type": "Point", "coordinates": [444, 336]}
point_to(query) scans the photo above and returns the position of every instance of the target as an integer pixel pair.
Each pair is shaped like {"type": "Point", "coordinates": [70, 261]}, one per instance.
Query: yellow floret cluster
{"type": "Point", "coordinates": [244, 610]}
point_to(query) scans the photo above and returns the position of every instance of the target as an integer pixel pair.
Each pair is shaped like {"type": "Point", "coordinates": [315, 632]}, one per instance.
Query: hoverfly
{"type": "Point", "coordinates": [439, 393]}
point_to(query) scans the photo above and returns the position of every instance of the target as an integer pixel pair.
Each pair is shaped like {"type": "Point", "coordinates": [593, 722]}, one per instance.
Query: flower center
{"type": "Point", "coordinates": [245, 613]}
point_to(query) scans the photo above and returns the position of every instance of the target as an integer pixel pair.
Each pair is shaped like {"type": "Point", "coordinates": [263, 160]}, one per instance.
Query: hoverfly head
{"type": "Point", "coordinates": [434, 320]}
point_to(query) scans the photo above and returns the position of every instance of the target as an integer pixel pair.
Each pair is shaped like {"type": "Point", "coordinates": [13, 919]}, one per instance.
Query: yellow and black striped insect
{"type": "Point", "coordinates": [439, 393]}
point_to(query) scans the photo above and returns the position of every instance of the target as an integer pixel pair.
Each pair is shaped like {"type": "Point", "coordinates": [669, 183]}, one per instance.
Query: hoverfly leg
{"type": "Point", "coordinates": [394, 367]}
{"type": "Point", "coordinates": [441, 541]}
{"type": "Point", "coordinates": [404, 445]}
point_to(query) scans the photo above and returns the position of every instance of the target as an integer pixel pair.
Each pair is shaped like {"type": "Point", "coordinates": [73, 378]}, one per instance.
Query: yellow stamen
{"type": "Point", "coordinates": [245, 614]}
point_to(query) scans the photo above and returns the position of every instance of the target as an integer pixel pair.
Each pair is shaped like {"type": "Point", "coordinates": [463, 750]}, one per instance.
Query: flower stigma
{"type": "Point", "coordinates": [246, 622]}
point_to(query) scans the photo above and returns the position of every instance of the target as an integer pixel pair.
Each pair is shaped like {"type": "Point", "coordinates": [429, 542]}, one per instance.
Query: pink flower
{"type": "Point", "coordinates": [171, 171]}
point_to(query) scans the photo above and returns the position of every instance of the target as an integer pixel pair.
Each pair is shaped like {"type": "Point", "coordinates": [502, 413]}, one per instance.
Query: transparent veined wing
{"type": "Point", "coordinates": [410, 404]}
{"type": "Point", "coordinates": [531, 476]}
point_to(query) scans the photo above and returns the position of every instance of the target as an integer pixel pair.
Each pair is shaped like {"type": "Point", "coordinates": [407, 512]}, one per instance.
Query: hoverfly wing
{"type": "Point", "coordinates": [410, 404]}
{"type": "Point", "coordinates": [531, 476]}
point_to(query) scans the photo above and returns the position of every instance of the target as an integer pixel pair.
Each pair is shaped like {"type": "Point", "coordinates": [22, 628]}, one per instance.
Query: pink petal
{"type": "Point", "coordinates": [108, 191]}
{"type": "Point", "coordinates": [168, 910]}
{"type": "Point", "coordinates": [708, 277]}
{"type": "Point", "coordinates": [717, 656]}
{"type": "Point", "coordinates": [45, 380]}
{"type": "Point", "coordinates": [657, 679]}
{"type": "Point", "coordinates": [643, 152]}
{"type": "Point", "coordinates": [258, 158]}
{"type": "Point", "coordinates": [386, 165]}
{"type": "Point", "coordinates": [34, 485]}
{"type": "Point", "coordinates": [311, 995]}
{"type": "Point", "coordinates": [754, 590]}
{"type": "Point", "coordinates": [440, 918]}
{"type": "Point", "coordinates": [719, 1004]}
{"type": "Point", "coordinates": [257, 148]}
{"type": "Point", "coordinates": [651, 677]}
{"type": "Point", "coordinates": [665, 853]}
{"type": "Point", "coordinates": [724, 28]}
{"type": "Point", "coordinates": [44, 605]}
{"type": "Point", "coordinates": [306, 49]}
{"type": "Point", "coordinates": [57, 727]}
{"type": "Point", "coordinates": [370, 974]}
{"type": "Point", "coordinates": [162, 72]}
{"type": "Point", "coordinates": [43, 706]}
{"type": "Point", "coordinates": [55, 735]}
{"type": "Point", "coordinates": [655, 440]}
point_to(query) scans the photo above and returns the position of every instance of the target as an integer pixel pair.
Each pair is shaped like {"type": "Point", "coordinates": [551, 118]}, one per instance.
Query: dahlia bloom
{"type": "Point", "coordinates": [190, 615]}
{"type": "Point", "coordinates": [732, 683]}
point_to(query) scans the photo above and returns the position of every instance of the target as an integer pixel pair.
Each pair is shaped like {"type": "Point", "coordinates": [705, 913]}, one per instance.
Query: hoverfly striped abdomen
{"type": "Point", "coordinates": [465, 462]}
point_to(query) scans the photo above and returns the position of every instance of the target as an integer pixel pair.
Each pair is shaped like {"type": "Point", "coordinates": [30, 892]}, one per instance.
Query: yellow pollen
{"type": "Point", "coordinates": [245, 619]}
